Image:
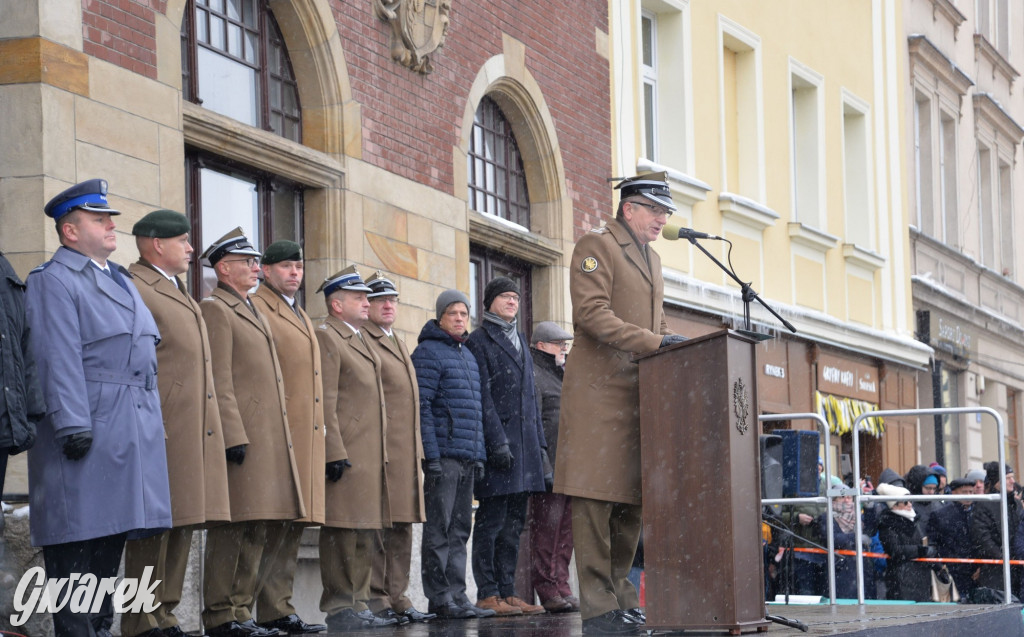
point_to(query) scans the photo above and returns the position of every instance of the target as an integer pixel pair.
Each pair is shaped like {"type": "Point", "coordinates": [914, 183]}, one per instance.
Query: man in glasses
{"type": "Point", "coordinates": [617, 292]}
{"type": "Point", "coordinates": [263, 479]}
{"type": "Point", "coordinates": [514, 438]}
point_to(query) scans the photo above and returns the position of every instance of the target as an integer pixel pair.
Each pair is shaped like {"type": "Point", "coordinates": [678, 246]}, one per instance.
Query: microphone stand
{"type": "Point", "coordinates": [747, 294]}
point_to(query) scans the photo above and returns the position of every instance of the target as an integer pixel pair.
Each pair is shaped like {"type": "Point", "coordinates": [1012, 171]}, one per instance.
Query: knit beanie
{"type": "Point", "coordinates": [889, 489]}
{"type": "Point", "coordinates": [498, 285]}
{"type": "Point", "coordinates": [992, 472]}
{"type": "Point", "coordinates": [446, 298]}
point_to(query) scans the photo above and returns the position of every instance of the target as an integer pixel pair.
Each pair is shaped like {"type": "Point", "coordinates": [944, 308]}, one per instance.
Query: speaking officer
{"type": "Point", "coordinates": [392, 555]}
{"type": "Point", "coordinates": [616, 288]}
{"type": "Point", "coordinates": [299, 354]}
{"type": "Point", "coordinates": [195, 442]}
{"type": "Point", "coordinates": [98, 470]}
{"type": "Point", "coordinates": [262, 475]}
{"type": "Point", "coordinates": [358, 498]}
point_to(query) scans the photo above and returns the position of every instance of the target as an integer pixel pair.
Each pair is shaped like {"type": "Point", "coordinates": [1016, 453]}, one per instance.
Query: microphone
{"type": "Point", "coordinates": [672, 233]}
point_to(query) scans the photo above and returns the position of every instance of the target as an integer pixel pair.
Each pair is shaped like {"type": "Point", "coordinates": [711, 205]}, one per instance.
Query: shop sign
{"type": "Point", "coordinates": [950, 335]}
{"type": "Point", "coordinates": [848, 378]}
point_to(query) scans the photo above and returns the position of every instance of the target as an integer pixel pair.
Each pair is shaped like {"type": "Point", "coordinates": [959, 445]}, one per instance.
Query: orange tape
{"type": "Point", "coordinates": [938, 560]}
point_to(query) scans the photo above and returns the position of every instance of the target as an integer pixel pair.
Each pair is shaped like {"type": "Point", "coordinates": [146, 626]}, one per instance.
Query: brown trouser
{"type": "Point", "coordinates": [238, 557]}
{"type": "Point", "coordinates": [167, 553]}
{"type": "Point", "coordinates": [605, 536]}
{"type": "Point", "coordinates": [392, 557]}
{"type": "Point", "coordinates": [274, 599]}
{"type": "Point", "coordinates": [346, 562]}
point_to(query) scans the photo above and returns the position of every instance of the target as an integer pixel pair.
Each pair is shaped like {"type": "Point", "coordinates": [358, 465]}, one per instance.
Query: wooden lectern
{"type": "Point", "coordinates": [701, 486]}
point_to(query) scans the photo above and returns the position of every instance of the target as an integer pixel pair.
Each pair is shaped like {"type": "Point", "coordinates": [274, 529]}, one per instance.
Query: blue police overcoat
{"type": "Point", "coordinates": [95, 347]}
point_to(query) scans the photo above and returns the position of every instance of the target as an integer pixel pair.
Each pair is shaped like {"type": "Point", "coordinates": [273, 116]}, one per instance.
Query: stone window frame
{"type": "Point", "coordinates": [547, 243]}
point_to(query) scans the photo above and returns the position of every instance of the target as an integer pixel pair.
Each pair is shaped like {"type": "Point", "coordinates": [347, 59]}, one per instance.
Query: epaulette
{"type": "Point", "coordinates": [40, 267]}
{"type": "Point", "coordinates": [601, 230]}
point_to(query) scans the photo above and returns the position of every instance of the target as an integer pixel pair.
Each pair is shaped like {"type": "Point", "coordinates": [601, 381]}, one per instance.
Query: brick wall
{"type": "Point", "coordinates": [122, 32]}
{"type": "Point", "coordinates": [411, 122]}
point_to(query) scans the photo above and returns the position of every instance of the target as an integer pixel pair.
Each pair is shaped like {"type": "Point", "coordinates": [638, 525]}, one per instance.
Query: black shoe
{"type": "Point", "coordinates": [235, 629]}
{"type": "Point", "coordinates": [478, 612]}
{"type": "Point", "coordinates": [257, 631]}
{"type": "Point", "coordinates": [293, 625]}
{"type": "Point", "coordinates": [637, 614]}
{"type": "Point", "coordinates": [450, 610]}
{"type": "Point", "coordinates": [349, 619]}
{"type": "Point", "coordinates": [614, 622]}
{"type": "Point", "coordinates": [152, 632]}
{"type": "Point", "coordinates": [389, 613]}
{"type": "Point", "coordinates": [416, 616]}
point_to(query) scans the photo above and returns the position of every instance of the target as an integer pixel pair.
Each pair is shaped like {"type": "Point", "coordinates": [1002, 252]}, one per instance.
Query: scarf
{"type": "Point", "coordinates": [508, 329]}
{"type": "Point", "coordinates": [910, 514]}
{"type": "Point", "coordinates": [845, 515]}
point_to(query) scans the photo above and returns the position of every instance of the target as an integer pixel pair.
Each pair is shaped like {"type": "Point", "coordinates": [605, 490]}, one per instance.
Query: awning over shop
{"type": "Point", "coordinates": [840, 413]}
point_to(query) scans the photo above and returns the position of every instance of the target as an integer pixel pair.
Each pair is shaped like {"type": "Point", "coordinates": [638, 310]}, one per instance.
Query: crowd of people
{"type": "Point", "coordinates": [149, 416]}
{"type": "Point", "coordinates": [905, 540]}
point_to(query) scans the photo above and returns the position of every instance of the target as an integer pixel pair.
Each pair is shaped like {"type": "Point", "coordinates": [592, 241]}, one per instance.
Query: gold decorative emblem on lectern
{"type": "Point", "coordinates": [419, 28]}
{"type": "Point", "coordinates": [741, 405]}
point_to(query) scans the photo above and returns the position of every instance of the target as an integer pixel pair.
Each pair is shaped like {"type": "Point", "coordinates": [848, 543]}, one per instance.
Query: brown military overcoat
{"type": "Point", "coordinates": [299, 355]}
{"type": "Point", "coordinates": [356, 428]}
{"type": "Point", "coordinates": [405, 444]}
{"type": "Point", "coordinates": [250, 394]}
{"type": "Point", "coordinates": [617, 312]}
{"type": "Point", "coordinates": [196, 466]}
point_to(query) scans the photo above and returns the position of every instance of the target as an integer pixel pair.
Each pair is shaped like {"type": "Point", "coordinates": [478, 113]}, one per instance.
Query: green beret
{"type": "Point", "coordinates": [283, 250]}
{"type": "Point", "coordinates": [162, 224]}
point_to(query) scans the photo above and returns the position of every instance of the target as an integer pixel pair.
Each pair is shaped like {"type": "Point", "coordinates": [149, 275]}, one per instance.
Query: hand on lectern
{"type": "Point", "coordinates": [671, 339]}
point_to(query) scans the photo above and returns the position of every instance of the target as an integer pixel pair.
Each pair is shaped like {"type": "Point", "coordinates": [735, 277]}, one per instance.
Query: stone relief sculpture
{"type": "Point", "coordinates": [419, 27]}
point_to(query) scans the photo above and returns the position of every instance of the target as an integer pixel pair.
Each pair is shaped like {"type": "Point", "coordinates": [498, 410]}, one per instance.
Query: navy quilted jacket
{"type": "Point", "coordinates": [451, 416]}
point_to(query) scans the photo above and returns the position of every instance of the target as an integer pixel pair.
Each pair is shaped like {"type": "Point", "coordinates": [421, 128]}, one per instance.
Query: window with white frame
{"type": "Point", "coordinates": [1004, 200]}
{"type": "Point", "coordinates": [923, 163]}
{"type": "Point", "coordinates": [649, 76]}
{"type": "Point", "coordinates": [857, 195]}
{"type": "Point", "coordinates": [806, 146]}
{"type": "Point", "coordinates": [948, 179]}
{"type": "Point", "coordinates": [742, 133]}
{"type": "Point", "coordinates": [986, 222]}
{"type": "Point", "coordinates": [993, 23]}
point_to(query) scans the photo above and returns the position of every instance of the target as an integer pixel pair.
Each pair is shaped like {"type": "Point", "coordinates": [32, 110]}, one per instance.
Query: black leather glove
{"type": "Point", "coordinates": [671, 339]}
{"type": "Point", "coordinates": [432, 467]}
{"type": "Point", "coordinates": [77, 445]}
{"type": "Point", "coordinates": [334, 470]}
{"type": "Point", "coordinates": [236, 454]}
{"type": "Point", "coordinates": [549, 471]}
{"type": "Point", "coordinates": [926, 551]}
{"type": "Point", "coordinates": [479, 471]}
{"type": "Point", "coordinates": [501, 458]}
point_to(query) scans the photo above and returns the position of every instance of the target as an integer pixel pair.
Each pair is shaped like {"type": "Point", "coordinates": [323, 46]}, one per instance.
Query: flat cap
{"type": "Point", "coordinates": [381, 285]}
{"type": "Point", "coordinates": [960, 482]}
{"type": "Point", "coordinates": [653, 186]}
{"type": "Point", "coordinates": [283, 250]}
{"type": "Point", "coordinates": [161, 224]}
{"type": "Point", "coordinates": [548, 332]}
{"type": "Point", "coordinates": [348, 279]}
{"type": "Point", "coordinates": [89, 195]}
{"type": "Point", "coordinates": [233, 242]}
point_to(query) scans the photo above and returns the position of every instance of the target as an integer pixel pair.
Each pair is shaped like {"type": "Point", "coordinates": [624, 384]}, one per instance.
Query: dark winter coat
{"type": "Point", "coordinates": [547, 376]}
{"type": "Point", "coordinates": [987, 538]}
{"type": "Point", "coordinates": [949, 531]}
{"type": "Point", "coordinates": [914, 480]}
{"type": "Point", "coordinates": [904, 578]}
{"type": "Point", "coordinates": [21, 402]}
{"type": "Point", "coordinates": [451, 413]}
{"type": "Point", "coordinates": [846, 565]}
{"type": "Point", "coordinates": [511, 413]}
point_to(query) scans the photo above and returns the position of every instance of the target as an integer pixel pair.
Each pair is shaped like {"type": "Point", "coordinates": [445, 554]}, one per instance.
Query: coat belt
{"type": "Point", "coordinates": [136, 379]}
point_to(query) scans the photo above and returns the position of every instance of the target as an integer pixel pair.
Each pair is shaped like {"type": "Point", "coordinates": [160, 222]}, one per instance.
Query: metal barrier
{"type": "Point", "coordinates": [858, 498]}
{"type": "Point", "coordinates": [1001, 496]}
{"type": "Point", "coordinates": [827, 501]}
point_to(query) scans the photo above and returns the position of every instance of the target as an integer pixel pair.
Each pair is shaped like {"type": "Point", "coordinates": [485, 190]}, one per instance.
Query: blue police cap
{"type": "Point", "coordinates": [653, 187]}
{"type": "Point", "coordinates": [348, 279]}
{"type": "Point", "coordinates": [89, 195]}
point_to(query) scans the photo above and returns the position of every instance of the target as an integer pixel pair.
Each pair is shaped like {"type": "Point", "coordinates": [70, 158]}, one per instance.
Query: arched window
{"type": "Point", "coordinates": [234, 62]}
{"type": "Point", "coordinates": [497, 186]}
{"type": "Point", "coordinates": [497, 182]}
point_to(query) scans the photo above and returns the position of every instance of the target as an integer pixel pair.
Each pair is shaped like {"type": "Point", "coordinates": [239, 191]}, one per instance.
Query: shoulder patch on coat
{"type": "Point", "coordinates": [589, 264]}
